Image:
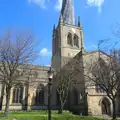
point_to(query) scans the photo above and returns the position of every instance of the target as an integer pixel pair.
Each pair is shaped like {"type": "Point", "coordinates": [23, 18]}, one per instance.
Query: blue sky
{"type": "Point", "coordinates": [98, 18]}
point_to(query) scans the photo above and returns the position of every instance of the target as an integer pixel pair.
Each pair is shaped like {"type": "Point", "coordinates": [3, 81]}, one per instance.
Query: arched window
{"type": "Point", "coordinates": [17, 94]}
{"type": "Point", "coordinates": [69, 39]}
{"type": "Point", "coordinates": [57, 98]}
{"type": "Point", "coordinates": [76, 42]}
{"type": "Point", "coordinates": [40, 95]}
{"type": "Point", "coordinates": [75, 93]}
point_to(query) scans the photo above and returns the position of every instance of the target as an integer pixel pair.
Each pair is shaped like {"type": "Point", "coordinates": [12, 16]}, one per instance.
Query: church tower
{"type": "Point", "coordinates": [67, 39]}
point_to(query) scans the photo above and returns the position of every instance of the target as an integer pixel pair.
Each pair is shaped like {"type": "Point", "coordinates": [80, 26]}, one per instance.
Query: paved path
{"type": "Point", "coordinates": [106, 117]}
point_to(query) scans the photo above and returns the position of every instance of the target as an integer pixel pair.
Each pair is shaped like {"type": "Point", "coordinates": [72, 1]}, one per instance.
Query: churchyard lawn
{"type": "Point", "coordinates": [42, 115]}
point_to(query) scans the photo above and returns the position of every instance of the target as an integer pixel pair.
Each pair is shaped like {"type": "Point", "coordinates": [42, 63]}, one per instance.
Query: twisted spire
{"type": "Point", "coordinates": [67, 12]}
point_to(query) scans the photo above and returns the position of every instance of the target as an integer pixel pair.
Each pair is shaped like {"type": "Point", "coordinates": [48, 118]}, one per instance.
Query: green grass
{"type": "Point", "coordinates": [42, 115]}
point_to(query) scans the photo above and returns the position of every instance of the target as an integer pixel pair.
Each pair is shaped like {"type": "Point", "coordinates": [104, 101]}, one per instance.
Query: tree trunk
{"type": "Point", "coordinates": [114, 110]}
{"type": "Point", "coordinates": [8, 89]}
{"type": "Point", "coordinates": [61, 109]}
{"type": "Point", "coordinates": [2, 93]}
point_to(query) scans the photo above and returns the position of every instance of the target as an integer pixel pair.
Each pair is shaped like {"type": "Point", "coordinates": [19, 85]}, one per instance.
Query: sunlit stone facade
{"type": "Point", "coordinates": [67, 45]}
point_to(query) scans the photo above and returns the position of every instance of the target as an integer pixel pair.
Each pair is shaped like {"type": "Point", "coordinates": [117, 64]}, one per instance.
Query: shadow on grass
{"type": "Point", "coordinates": [43, 116]}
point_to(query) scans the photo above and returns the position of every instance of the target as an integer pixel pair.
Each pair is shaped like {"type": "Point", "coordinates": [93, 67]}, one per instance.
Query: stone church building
{"type": "Point", "coordinates": [67, 47]}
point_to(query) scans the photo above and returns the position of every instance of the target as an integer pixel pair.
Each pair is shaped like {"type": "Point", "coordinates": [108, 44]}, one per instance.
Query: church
{"type": "Point", "coordinates": [67, 46]}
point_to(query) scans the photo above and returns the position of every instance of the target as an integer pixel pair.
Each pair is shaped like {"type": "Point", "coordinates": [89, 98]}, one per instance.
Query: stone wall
{"type": "Point", "coordinates": [94, 100]}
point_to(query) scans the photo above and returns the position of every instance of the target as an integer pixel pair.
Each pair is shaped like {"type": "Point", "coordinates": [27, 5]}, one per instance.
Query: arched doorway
{"type": "Point", "coordinates": [105, 106]}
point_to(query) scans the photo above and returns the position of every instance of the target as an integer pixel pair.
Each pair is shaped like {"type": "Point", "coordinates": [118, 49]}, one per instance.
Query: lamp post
{"type": "Point", "coordinates": [50, 76]}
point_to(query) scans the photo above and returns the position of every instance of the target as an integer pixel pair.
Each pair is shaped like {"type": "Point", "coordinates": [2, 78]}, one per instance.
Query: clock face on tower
{"type": "Point", "coordinates": [73, 30]}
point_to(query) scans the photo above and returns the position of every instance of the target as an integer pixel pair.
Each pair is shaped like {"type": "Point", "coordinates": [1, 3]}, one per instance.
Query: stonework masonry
{"type": "Point", "coordinates": [67, 49]}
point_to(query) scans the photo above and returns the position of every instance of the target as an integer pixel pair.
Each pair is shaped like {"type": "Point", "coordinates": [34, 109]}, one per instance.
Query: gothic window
{"type": "Point", "coordinates": [76, 43]}
{"type": "Point", "coordinates": [40, 95]}
{"type": "Point", "coordinates": [69, 39]}
{"type": "Point", "coordinates": [17, 94]}
{"type": "Point", "coordinates": [75, 93]}
{"type": "Point", "coordinates": [57, 98]}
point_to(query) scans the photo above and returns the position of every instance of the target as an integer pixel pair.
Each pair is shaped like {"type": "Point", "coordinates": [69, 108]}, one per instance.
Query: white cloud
{"type": "Point", "coordinates": [96, 3]}
{"type": "Point", "coordinates": [45, 52]}
{"type": "Point", "coordinates": [41, 3]}
{"type": "Point", "coordinates": [58, 5]}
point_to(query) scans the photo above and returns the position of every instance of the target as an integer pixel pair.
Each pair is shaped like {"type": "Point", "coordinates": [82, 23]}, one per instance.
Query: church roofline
{"type": "Point", "coordinates": [38, 67]}
{"type": "Point", "coordinates": [90, 52]}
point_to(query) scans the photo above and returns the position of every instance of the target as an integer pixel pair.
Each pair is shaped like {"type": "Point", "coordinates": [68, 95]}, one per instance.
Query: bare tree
{"type": "Point", "coordinates": [65, 78]}
{"type": "Point", "coordinates": [105, 73]}
{"type": "Point", "coordinates": [63, 85]}
{"type": "Point", "coordinates": [16, 51]}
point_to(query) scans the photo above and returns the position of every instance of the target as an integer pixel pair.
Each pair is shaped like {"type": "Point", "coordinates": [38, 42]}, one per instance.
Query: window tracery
{"type": "Point", "coordinates": [69, 39]}
{"type": "Point", "coordinates": [76, 42]}
{"type": "Point", "coordinates": [40, 95]}
{"type": "Point", "coordinates": [17, 94]}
